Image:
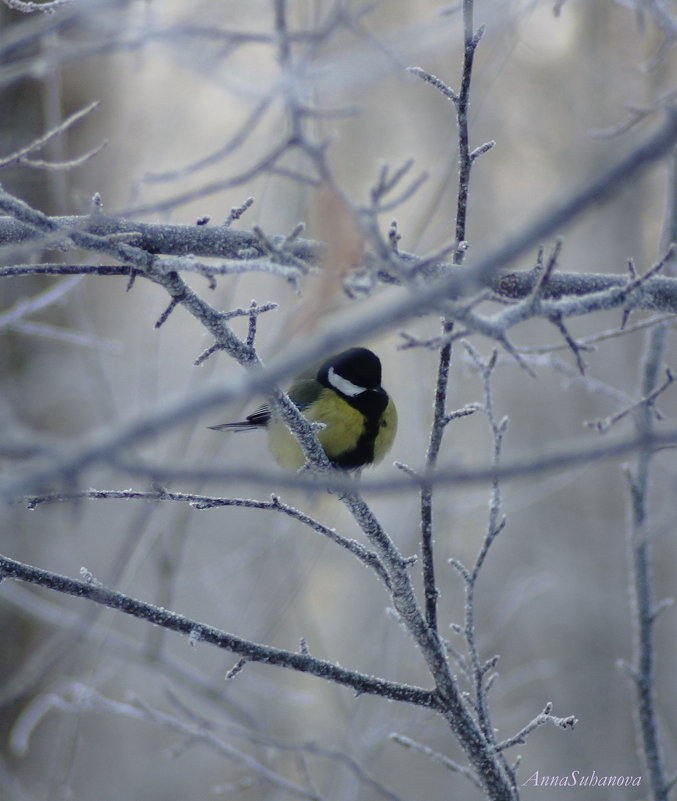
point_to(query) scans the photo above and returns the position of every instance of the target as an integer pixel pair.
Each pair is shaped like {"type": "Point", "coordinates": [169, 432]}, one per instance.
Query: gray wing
{"type": "Point", "coordinates": [257, 419]}
{"type": "Point", "coordinates": [302, 392]}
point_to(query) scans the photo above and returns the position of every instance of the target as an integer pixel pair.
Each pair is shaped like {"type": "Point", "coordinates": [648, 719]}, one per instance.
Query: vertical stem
{"type": "Point", "coordinates": [429, 585]}
{"type": "Point", "coordinates": [284, 50]}
{"type": "Point", "coordinates": [670, 226]}
{"type": "Point", "coordinates": [439, 410]}
{"type": "Point", "coordinates": [640, 543]}
{"type": "Point", "coordinates": [462, 107]}
{"type": "Point", "coordinates": [640, 566]}
{"type": "Point", "coordinates": [52, 101]}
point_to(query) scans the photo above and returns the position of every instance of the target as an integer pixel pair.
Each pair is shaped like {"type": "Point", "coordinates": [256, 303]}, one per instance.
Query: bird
{"type": "Point", "coordinates": [344, 394]}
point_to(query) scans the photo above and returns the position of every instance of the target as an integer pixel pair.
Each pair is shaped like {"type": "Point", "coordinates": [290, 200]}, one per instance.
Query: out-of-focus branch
{"type": "Point", "coordinates": [112, 37]}
{"type": "Point", "coordinates": [436, 757]}
{"type": "Point", "coordinates": [101, 449]}
{"type": "Point", "coordinates": [244, 251]}
{"type": "Point", "coordinates": [24, 307]}
{"type": "Point", "coordinates": [29, 7]}
{"type": "Point", "coordinates": [230, 244]}
{"type": "Point", "coordinates": [80, 698]}
{"type": "Point", "coordinates": [560, 214]}
{"type": "Point", "coordinates": [23, 157]}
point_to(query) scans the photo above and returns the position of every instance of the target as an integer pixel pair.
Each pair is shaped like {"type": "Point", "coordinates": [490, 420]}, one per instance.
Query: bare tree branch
{"type": "Point", "coordinates": [471, 296]}
{"type": "Point", "coordinates": [639, 543]}
{"type": "Point", "coordinates": [201, 632]}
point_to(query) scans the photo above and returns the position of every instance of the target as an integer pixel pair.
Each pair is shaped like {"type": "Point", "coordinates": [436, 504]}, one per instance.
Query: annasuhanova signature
{"type": "Point", "coordinates": [577, 778]}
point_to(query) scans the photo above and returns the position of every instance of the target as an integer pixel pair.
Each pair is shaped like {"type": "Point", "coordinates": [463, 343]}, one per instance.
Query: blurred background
{"type": "Point", "coordinates": [554, 91]}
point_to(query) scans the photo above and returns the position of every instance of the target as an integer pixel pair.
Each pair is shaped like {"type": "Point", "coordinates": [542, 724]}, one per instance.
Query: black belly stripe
{"type": "Point", "coordinates": [372, 405]}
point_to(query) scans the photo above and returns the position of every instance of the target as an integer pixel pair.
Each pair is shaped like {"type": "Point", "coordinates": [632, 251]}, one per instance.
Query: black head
{"type": "Point", "coordinates": [351, 372]}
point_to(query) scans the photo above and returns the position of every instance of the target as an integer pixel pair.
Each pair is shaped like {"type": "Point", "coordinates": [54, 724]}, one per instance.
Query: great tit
{"type": "Point", "coordinates": [346, 395]}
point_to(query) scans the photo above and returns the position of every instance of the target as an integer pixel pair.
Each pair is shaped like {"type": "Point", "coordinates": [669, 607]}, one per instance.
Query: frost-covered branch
{"type": "Point", "coordinates": [367, 557]}
{"type": "Point", "coordinates": [644, 608]}
{"type": "Point", "coordinates": [201, 632]}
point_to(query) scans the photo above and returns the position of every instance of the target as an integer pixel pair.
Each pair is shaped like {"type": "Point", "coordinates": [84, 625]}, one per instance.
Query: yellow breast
{"type": "Point", "coordinates": [344, 426]}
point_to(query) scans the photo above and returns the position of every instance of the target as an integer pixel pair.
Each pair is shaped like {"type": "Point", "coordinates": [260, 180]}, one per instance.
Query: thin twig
{"type": "Point", "coordinates": [21, 156]}
{"type": "Point", "coordinates": [540, 720]}
{"type": "Point", "coordinates": [435, 756]}
{"type": "Point", "coordinates": [605, 423]}
{"type": "Point", "coordinates": [202, 502]}
{"type": "Point", "coordinates": [495, 525]}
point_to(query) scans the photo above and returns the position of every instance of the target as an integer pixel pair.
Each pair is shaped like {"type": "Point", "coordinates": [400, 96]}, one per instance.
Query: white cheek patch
{"type": "Point", "coordinates": [342, 384]}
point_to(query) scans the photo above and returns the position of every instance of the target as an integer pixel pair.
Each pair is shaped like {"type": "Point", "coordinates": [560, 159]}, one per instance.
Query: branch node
{"type": "Point", "coordinates": [461, 568]}
{"type": "Point", "coordinates": [625, 667]}
{"type": "Point", "coordinates": [406, 469]}
{"type": "Point", "coordinates": [132, 278]}
{"type": "Point", "coordinates": [661, 607]}
{"type": "Point", "coordinates": [479, 33]}
{"type": "Point", "coordinates": [237, 211]}
{"type": "Point", "coordinates": [89, 577]}
{"type": "Point", "coordinates": [394, 237]}
{"type": "Point", "coordinates": [237, 668]}
{"type": "Point", "coordinates": [490, 664]}
{"type": "Point", "coordinates": [438, 83]}
{"type": "Point", "coordinates": [540, 720]}
{"type": "Point", "coordinates": [576, 349]}
{"type": "Point", "coordinates": [482, 149]}
{"type": "Point", "coordinates": [96, 205]}
{"type": "Point", "coordinates": [194, 637]}
{"type": "Point", "coordinates": [468, 409]}
{"type": "Point", "coordinates": [162, 319]}
{"type": "Point", "coordinates": [207, 353]}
